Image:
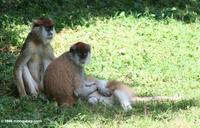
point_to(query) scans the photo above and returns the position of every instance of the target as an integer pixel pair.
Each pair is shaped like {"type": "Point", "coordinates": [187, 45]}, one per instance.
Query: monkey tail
{"type": "Point", "coordinates": [157, 98]}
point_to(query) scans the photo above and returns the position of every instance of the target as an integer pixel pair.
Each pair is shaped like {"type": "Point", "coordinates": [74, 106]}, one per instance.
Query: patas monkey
{"type": "Point", "coordinates": [101, 92]}
{"type": "Point", "coordinates": [34, 57]}
{"type": "Point", "coordinates": [66, 74]}
{"type": "Point", "coordinates": [120, 92]}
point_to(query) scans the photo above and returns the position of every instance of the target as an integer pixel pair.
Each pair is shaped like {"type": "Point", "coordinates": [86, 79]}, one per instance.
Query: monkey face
{"type": "Point", "coordinates": [45, 29]}
{"type": "Point", "coordinates": [82, 56]}
{"type": "Point", "coordinates": [48, 32]}
{"type": "Point", "coordinates": [80, 53]}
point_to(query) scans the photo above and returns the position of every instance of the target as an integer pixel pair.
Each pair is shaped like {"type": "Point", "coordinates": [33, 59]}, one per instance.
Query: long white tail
{"type": "Point", "coordinates": [156, 98]}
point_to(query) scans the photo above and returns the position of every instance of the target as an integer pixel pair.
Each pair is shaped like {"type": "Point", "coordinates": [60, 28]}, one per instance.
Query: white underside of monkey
{"type": "Point", "coordinates": [111, 92]}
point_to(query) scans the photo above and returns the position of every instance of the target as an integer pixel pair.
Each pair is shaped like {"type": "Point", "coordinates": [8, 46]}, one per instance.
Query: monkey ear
{"type": "Point", "coordinates": [89, 48]}
{"type": "Point", "coordinates": [72, 48]}
{"type": "Point", "coordinates": [36, 23]}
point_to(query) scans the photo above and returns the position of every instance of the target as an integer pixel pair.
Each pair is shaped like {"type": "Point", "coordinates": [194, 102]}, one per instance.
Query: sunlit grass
{"type": "Point", "coordinates": [154, 57]}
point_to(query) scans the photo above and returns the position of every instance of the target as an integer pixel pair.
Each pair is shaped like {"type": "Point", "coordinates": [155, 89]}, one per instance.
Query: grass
{"type": "Point", "coordinates": [154, 56]}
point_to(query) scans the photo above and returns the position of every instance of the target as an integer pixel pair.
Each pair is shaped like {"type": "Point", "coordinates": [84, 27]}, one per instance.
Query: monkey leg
{"type": "Point", "coordinates": [41, 85]}
{"type": "Point", "coordinates": [106, 100]}
{"type": "Point", "coordinates": [19, 82]}
{"type": "Point", "coordinates": [93, 100]}
{"type": "Point", "coordinates": [96, 97]}
{"type": "Point", "coordinates": [123, 99]}
{"type": "Point", "coordinates": [30, 82]}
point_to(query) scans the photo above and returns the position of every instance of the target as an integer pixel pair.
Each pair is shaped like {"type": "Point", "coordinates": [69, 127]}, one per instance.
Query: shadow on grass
{"type": "Point", "coordinates": [29, 108]}
{"type": "Point", "coordinates": [80, 12]}
{"type": "Point", "coordinates": [156, 111]}
{"type": "Point", "coordinates": [6, 76]}
{"type": "Point", "coordinates": [150, 108]}
{"type": "Point", "coordinates": [154, 108]}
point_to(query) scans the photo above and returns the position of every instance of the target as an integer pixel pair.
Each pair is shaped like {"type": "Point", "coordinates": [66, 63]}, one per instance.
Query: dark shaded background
{"type": "Point", "coordinates": [78, 12]}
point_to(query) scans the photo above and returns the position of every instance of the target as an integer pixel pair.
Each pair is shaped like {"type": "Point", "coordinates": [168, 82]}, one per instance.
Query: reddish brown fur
{"type": "Point", "coordinates": [62, 77]}
{"type": "Point", "coordinates": [81, 45]}
{"type": "Point", "coordinates": [118, 85]}
{"type": "Point", "coordinates": [43, 22]}
{"type": "Point", "coordinates": [114, 85]}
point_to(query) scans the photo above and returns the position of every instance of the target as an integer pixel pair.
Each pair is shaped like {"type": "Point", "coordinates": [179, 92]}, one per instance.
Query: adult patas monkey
{"type": "Point", "coordinates": [35, 56]}
{"type": "Point", "coordinates": [66, 74]}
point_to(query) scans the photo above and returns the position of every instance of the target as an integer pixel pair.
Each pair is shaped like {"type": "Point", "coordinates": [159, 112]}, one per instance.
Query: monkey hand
{"type": "Point", "coordinates": [105, 91]}
{"type": "Point", "coordinates": [89, 84]}
{"type": "Point", "coordinates": [93, 100]}
{"type": "Point", "coordinates": [84, 91]}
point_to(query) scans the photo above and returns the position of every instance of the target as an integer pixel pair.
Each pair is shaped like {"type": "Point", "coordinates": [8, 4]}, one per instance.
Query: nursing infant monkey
{"type": "Point", "coordinates": [110, 92]}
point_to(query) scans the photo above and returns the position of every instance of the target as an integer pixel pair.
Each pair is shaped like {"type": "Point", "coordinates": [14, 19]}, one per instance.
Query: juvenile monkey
{"type": "Point", "coordinates": [109, 92]}
{"type": "Point", "coordinates": [93, 97]}
{"type": "Point", "coordinates": [66, 73]}
{"type": "Point", "coordinates": [34, 57]}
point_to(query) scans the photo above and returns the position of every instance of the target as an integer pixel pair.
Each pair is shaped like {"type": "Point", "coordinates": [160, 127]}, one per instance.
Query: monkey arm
{"type": "Point", "coordinates": [22, 74]}
{"type": "Point", "coordinates": [28, 79]}
{"type": "Point", "coordinates": [19, 81]}
{"type": "Point", "coordinates": [48, 58]}
{"type": "Point", "coordinates": [52, 56]}
{"type": "Point", "coordinates": [45, 65]}
{"type": "Point", "coordinates": [20, 63]}
{"type": "Point", "coordinates": [50, 52]}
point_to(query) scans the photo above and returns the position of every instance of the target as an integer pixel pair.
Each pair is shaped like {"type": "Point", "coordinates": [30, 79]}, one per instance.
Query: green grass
{"type": "Point", "coordinates": [153, 56]}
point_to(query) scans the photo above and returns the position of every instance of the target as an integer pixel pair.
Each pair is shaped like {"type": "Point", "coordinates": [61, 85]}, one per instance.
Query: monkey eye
{"type": "Point", "coordinates": [79, 54]}
{"type": "Point", "coordinates": [48, 28]}
{"type": "Point", "coordinates": [83, 55]}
